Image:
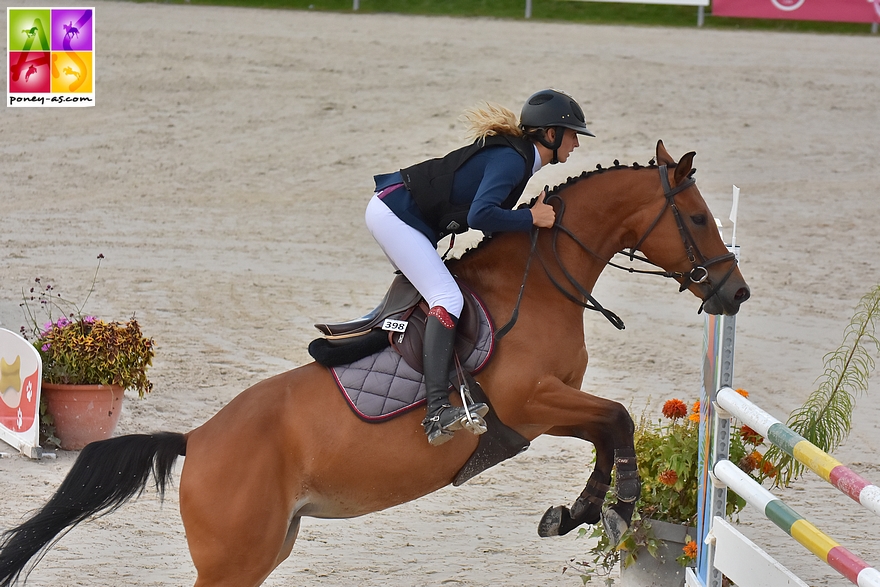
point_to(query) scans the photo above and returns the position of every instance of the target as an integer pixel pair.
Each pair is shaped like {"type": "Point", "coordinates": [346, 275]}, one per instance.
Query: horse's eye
{"type": "Point", "coordinates": [698, 219]}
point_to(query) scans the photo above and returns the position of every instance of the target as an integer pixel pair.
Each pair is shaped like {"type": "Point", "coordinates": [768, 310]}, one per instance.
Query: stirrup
{"type": "Point", "coordinates": [440, 427]}
{"type": "Point", "coordinates": [474, 412]}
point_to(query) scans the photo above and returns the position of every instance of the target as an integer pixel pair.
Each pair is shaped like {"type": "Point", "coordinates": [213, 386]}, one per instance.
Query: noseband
{"type": "Point", "coordinates": [698, 274]}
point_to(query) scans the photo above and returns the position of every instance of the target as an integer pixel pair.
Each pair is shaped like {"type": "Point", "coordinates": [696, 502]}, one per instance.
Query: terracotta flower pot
{"type": "Point", "coordinates": [83, 413]}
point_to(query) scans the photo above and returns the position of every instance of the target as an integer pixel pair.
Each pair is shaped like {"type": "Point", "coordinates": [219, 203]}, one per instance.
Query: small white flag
{"type": "Point", "coordinates": [733, 210]}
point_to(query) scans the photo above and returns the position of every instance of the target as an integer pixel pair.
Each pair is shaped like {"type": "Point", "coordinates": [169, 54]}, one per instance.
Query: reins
{"type": "Point", "coordinates": [698, 273]}
{"type": "Point", "coordinates": [591, 304]}
{"type": "Point", "coordinates": [515, 315]}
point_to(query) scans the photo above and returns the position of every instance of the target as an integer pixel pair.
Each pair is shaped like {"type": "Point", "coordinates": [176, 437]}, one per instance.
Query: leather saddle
{"type": "Point", "coordinates": [401, 296]}
{"type": "Point", "coordinates": [345, 342]}
{"type": "Point", "coordinates": [349, 342]}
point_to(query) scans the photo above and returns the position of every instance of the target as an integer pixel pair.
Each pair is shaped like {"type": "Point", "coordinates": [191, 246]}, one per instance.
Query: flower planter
{"type": "Point", "coordinates": [663, 571]}
{"type": "Point", "coordinates": [83, 413]}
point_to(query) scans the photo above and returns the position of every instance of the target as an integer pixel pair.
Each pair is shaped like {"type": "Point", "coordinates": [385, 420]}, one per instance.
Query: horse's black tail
{"type": "Point", "coordinates": [106, 475]}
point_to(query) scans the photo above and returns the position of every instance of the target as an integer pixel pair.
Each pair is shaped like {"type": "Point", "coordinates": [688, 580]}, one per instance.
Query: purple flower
{"type": "Point", "coordinates": [46, 347]}
{"type": "Point", "coordinates": [90, 319]}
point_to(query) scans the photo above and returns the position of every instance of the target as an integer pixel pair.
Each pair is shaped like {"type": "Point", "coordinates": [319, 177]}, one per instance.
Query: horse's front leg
{"type": "Point", "coordinates": [588, 507]}
{"type": "Point", "coordinates": [609, 427]}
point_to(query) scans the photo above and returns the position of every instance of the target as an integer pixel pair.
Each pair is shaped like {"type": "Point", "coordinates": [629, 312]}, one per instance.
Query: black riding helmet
{"type": "Point", "coordinates": [552, 108]}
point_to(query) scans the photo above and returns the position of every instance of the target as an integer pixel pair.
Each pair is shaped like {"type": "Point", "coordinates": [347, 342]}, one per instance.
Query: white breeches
{"type": "Point", "coordinates": [412, 253]}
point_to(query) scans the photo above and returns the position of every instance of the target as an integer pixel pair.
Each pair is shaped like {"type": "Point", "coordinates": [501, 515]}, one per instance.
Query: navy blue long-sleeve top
{"type": "Point", "coordinates": [485, 180]}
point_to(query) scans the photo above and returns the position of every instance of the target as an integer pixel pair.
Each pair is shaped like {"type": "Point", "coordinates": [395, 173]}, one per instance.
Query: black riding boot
{"type": "Point", "coordinates": [442, 419]}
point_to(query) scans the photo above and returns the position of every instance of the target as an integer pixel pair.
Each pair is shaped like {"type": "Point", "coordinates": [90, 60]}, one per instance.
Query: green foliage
{"type": "Point", "coordinates": [825, 419]}
{"type": "Point", "coordinates": [83, 350]}
{"type": "Point", "coordinates": [667, 453]}
{"type": "Point", "coordinates": [88, 351]}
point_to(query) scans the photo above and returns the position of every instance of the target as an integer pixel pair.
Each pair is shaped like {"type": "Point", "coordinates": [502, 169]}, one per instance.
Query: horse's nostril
{"type": "Point", "coordinates": [742, 294]}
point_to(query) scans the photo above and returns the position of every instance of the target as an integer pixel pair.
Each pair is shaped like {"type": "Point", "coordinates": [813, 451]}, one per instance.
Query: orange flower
{"type": "Point", "coordinates": [696, 407]}
{"type": "Point", "coordinates": [768, 469]}
{"type": "Point", "coordinates": [743, 392]}
{"type": "Point", "coordinates": [750, 436]}
{"type": "Point", "coordinates": [668, 477]}
{"type": "Point", "coordinates": [690, 550]}
{"type": "Point", "coordinates": [694, 417]}
{"type": "Point", "coordinates": [750, 462]}
{"type": "Point", "coordinates": [674, 409]}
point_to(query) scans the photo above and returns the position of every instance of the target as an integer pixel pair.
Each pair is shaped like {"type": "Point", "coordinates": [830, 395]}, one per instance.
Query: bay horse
{"type": "Point", "coordinates": [242, 508]}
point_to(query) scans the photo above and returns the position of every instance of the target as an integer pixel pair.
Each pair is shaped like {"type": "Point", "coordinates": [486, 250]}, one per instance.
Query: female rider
{"type": "Point", "coordinates": [476, 186]}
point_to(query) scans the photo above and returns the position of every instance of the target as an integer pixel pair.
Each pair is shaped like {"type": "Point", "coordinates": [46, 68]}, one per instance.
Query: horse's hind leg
{"type": "Point", "coordinates": [231, 551]}
{"type": "Point", "coordinates": [237, 512]}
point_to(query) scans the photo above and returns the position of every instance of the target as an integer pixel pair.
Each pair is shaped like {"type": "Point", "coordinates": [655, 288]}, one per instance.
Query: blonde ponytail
{"type": "Point", "coordinates": [489, 120]}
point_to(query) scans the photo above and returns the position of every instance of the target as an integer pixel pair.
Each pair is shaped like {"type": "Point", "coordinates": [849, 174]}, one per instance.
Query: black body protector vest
{"type": "Point", "coordinates": [430, 183]}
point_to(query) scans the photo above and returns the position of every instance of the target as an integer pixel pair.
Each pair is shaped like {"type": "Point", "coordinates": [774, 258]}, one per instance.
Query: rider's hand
{"type": "Point", "coordinates": [543, 215]}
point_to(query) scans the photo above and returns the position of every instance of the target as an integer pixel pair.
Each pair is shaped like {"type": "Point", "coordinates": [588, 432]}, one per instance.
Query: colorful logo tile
{"type": "Point", "coordinates": [29, 72]}
{"type": "Point", "coordinates": [28, 29]}
{"type": "Point", "coordinates": [51, 56]}
{"type": "Point", "coordinates": [72, 29]}
{"type": "Point", "coordinates": [71, 72]}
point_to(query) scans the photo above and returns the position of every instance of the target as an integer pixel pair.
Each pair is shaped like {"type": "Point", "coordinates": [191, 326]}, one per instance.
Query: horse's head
{"type": "Point", "coordinates": [681, 236]}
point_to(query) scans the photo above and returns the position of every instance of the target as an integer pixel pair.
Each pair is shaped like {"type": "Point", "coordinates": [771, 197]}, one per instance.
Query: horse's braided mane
{"type": "Point", "coordinates": [570, 181]}
{"type": "Point", "coordinates": [599, 169]}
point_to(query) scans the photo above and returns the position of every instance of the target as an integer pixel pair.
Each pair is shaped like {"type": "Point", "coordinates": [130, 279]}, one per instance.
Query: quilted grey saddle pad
{"type": "Point", "coordinates": [384, 385]}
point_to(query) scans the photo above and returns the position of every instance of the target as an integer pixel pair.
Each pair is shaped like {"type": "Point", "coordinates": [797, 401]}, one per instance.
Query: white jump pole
{"type": "Point", "coordinates": [793, 444]}
{"type": "Point", "coordinates": [804, 532]}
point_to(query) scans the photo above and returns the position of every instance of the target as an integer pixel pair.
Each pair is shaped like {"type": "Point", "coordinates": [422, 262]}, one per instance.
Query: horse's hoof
{"type": "Point", "coordinates": [615, 526]}
{"type": "Point", "coordinates": [551, 522]}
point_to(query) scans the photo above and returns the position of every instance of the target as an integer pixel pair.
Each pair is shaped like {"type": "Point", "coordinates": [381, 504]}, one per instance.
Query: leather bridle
{"type": "Point", "coordinates": [698, 274]}
{"type": "Point", "coordinates": [699, 263]}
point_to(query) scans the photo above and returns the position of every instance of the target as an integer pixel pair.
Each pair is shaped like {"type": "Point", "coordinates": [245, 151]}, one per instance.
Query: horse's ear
{"type": "Point", "coordinates": [684, 167]}
{"type": "Point", "coordinates": [663, 157]}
